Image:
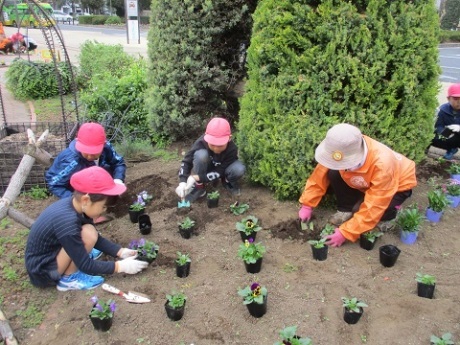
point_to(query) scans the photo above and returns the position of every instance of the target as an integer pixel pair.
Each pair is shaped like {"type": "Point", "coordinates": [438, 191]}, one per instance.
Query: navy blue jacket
{"type": "Point", "coordinates": [446, 116]}
{"type": "Point", "coordinates": [69, 161]}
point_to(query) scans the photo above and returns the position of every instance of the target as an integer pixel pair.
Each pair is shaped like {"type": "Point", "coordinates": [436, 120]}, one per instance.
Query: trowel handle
{"type": "Point", "coordinates": [112, 289]}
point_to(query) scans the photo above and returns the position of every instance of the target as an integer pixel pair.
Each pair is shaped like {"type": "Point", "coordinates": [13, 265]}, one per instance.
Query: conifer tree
{"type": "Point", "coordinates": [313, 64]}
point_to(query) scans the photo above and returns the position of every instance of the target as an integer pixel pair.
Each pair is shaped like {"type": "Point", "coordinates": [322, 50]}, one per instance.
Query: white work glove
{"type": "Point", "coordinates": [185, 187]}
{"type": "Point", "coordinates": [131, 265]}
{"type": "Point", "coordinates": [125, 253]}
{"type": "Point", "coordinates": [454, 128]}
{"type": "Point", "coordinates": [118, 181]}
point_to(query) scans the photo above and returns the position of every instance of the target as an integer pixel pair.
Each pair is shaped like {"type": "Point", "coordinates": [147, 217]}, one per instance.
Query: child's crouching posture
{"type": "Point", "coordinates": [63, 235]}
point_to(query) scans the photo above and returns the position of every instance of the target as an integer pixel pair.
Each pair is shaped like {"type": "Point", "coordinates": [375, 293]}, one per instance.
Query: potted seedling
{"type": "Point", "coordinates": [446, 339]}
{"type": "Point", "coordinates": [183, 263]}
{"type": "Point", "coordinates": [236, 208]}
{"type": "Point", "coordinates": [186, 227]}
{"type": "Point", "coordinates": [136, 209]}
{"type": "Point", "coordinates": [409, 220]}
{"type": "Point", "coordinates": [319, 249]}
{"type": "Point", "coordinates": [213, 199]}
{"type": "Point", "coordinates": [454, 171]}
{"type": "Point", "coordinates": [352, 309]}
{"type": "Point", "coordinates": [248, 227]}
{"type": "Point", "coordinates": [289, 336]}
{"type": "Point", "coordinates": [146, 250]}
{"type": "Point", "coordinates": [367, 239]}
{"type": "Point", "coordinates": [453, 192]}
{"type": "Point", "coordinates": [255, 299]}
{"type": "Point", "coordinates": [101, 314]}
{"type": "Point", "coordinates": [425, 285]}
{"type": "Point", "coordinates": [252, 255]}
{"type": "Point", "coordinates": [437, 203]}
{"type": "Point", "coordinates": [175, 305]}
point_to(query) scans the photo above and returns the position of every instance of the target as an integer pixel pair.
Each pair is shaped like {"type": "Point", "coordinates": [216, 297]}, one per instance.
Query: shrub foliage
{"type": "Point", "coordinates": [194, 52]}
{"type": "Point", "coordinates": [37, 80]}
{"type": "Point", "coordinates": [312, 64]}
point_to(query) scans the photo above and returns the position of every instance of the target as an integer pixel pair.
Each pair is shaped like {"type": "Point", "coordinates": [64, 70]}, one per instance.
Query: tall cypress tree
{"type": "Point", "coordinates": [451, 16]}
{"type": "Point", "coordinates": [194, 49]}
{"type": "Point", "coordinates": [313, 64]}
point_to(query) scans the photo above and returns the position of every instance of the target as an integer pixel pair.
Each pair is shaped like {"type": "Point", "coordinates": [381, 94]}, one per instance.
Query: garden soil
{"type": "Point", "coordinates": [301, 291]}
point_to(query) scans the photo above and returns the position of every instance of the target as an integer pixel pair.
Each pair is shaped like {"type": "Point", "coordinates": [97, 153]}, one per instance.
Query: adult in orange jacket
{"type": "Point", "coordinates": [369, 180]}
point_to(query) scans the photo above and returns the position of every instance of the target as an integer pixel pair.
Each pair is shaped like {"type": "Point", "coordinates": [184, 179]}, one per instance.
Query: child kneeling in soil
{"type": "Point", "coordinates": [63, 235]}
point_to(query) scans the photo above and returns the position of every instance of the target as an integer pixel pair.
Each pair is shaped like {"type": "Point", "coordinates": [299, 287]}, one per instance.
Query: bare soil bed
{"type": "Point", "coordinates": [301, 291]}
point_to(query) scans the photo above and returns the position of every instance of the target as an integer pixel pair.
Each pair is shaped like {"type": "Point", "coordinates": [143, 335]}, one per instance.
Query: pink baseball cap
{"type": "Point", "coordinates": [96, 180]}
{"type": "Point", "coordinates": [453, 90]}
{"type": "Point", "coordinates": [90, 138]}
{"type": "Point", "coordinates": [217, 132]}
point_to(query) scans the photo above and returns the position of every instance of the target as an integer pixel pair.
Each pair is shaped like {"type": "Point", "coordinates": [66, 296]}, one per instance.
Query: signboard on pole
{"type": "Point", "coordinates": [132, 21]}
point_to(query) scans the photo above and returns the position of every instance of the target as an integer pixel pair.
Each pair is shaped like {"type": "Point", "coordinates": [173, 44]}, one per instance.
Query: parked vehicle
{"type": "Point", "coordinates": [62, 17]}
{"type": "Point", "coordinates": [27, 15]}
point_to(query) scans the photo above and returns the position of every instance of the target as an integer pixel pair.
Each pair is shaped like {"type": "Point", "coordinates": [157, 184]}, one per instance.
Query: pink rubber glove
{"type": "Point", "coordinates": [305, 213]}
{"type": "Point", "coordinates": [335, 240]}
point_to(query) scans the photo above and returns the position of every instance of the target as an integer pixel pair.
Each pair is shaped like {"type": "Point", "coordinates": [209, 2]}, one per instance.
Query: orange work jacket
{"type": "Point", "coordinates": [384, 173]}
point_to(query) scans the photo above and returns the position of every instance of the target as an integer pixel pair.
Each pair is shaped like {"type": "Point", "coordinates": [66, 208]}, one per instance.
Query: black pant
{"type": "Point", "coordinates": [350, 199]}
{"type": "Point", "coordinates": [446, 143]}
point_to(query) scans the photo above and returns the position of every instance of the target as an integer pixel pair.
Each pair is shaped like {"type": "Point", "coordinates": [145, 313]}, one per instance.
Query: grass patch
{"type": "Point", "coordinates": [49, 109]}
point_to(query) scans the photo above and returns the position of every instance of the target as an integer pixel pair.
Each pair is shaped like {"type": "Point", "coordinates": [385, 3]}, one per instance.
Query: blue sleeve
{"type": "Point", "coordinates": [58, 175]}
{"type": "Point", "coordinates": [113, 162]}
{"type": "Point", "coordinates": [75, 248]}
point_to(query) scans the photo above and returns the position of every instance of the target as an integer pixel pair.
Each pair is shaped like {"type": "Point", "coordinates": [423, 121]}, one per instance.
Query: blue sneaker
{"type": "Point", "coordinates": [79, 281]}
{"type": "Point", "coordinates": [450, 154]}
{"type": "Point", "coordinates": [95, 254]}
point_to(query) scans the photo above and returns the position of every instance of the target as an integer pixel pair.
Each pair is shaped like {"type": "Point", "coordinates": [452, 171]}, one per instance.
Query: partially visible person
{"type": "Point", "coordinates": [369, 180]}
{"type": "Point", "coordinates": [212, 156]}
{"type": "Point", "coordinates": [90, 148]}
{"type": "Point", "coordinates": [62, 236]}
{"type": "Point", "coordinates": [6, 46]}
{"type": "Point", "coordinates": [28, 43]}
{"type": "Point", "coordinates": [447, 126]}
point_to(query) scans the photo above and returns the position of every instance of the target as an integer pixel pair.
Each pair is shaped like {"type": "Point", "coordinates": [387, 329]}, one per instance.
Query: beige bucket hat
{"type": "Point", "coordinates": [343, 147]}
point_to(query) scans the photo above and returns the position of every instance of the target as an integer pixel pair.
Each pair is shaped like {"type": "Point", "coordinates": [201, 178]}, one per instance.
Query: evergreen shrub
{"type": "Point", "coordinates": [313, 64]}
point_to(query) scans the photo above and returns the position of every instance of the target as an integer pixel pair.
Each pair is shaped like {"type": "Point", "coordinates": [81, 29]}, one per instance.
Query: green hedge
{"type": "Point", "coordinates": [314, 64]}
{"type": "Point", "coordinates": [447, 36]}
{"type": "Point", "coordinates": [37, 80]}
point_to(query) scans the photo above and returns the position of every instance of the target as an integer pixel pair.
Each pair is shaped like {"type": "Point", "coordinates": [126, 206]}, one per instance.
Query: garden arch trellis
{"type": "Point", "coordinates": [55, 44]}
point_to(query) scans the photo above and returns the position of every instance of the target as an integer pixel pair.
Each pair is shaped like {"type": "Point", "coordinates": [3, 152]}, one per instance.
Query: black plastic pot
{"type": "Point", "coordinates": [145, 225]}
{"type": "Point", "coordinates": [134, 215]}
{"type": "Point", "coordinates": [213, 203]}
{"type": "Point", "coordinates": [256, 309]}
{"type": "Point", "coordinates": [102, 325]}
{"type": "Point", "coordinates": [425, 290]}
{"type": "Point", "coordinates": [365, 243]}
{"type": "Point", "coordinates": [255, 267]}
{"type": "Point", "coordinates": [186, 233]}
{"type": "Point", "coordinates": [245, 237]}
{"type": "Point", "coordinates": [351, 317]}
{"type": "Point", "coordinates": [388, 255]}
{"type": "Point", "coordinates": [183, 271]}
{"type": "Point", "coordinates": [319, 254]}
{"type": "Point", "coordinates": [145, 258]}
{"type": "Point", "coordinates": [174, 314]}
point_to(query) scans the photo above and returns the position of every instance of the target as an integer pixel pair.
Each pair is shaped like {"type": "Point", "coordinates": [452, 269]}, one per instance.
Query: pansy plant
{"type": "Point", "coordinates": [102, 310]}
{"type": "Point", "coordinates": [148, 249]}
{"type": "Point", "coordinates": [254, 293]}
{"type": "Point", "coordinates": [250, 252]}
{"type": "Point", "coordinates": [248, 225]}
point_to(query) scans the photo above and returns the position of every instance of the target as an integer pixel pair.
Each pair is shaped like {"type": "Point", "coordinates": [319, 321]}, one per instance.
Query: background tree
{"type": "Point", "coordinates": [194, 54]}
{"type": "Point", "coordinates": [450, 14]}
{"type": "Point", "coordinates": [312, 64]}
{"type": "Point", "coordinates": [93, 5]}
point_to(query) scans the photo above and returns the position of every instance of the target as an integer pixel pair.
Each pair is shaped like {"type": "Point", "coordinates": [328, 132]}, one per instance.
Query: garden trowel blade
{"type": "Point", "coordinates": [183, 203]}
